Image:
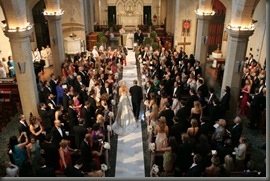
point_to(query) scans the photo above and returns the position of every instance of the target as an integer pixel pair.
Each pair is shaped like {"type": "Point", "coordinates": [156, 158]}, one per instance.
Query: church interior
{"type": "Point", "coordinates": [201, 65]}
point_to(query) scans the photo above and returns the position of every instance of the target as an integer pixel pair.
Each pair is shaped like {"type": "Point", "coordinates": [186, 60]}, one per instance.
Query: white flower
{"type": "Point", "coordinates": [140, 56]}
{"type": "Point", "coordinates": [155, 168]}
{"type": "Point", "coordinates": [115, 84]}
{"type": "Point", "coordinates": [113, 102]}
{"type": "Point", "coordinates": [116, 74]}
{"type": "Point", "coordinates": [143, 83]}
{"type": "Point", "coordinates": [114, 91]}
{"type": "Point", "coordinates": [111, 114]}
{"type": "Point", "coordinates": [147, 114]}
{"type": "Point", "coordinates": [119, 65]}
{"type": "Point", "coordinates": [116, 77]}
{"type": "Point", "coordinates": [152, 146]}
{"type": "Point", "coordinates": [101, 69]}
{"type": "Point", "coordinates": [140, 60]}
{"type": "Point", "coordinates": [107, 145]}
{"type": "Point", "coordinates": [150, 129]}
{"type": "Point", "coordinates": [109, 128]}
{"type": "Point", "coordinates": [104, 167]}
{"type": "Point", "coordinates": [146, 102]}
{"type": "Point", "coordinates": [110, 72]}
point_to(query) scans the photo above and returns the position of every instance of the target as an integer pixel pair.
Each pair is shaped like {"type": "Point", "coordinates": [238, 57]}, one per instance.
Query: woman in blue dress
{"type": "Point", "coordinates": [11, 66]}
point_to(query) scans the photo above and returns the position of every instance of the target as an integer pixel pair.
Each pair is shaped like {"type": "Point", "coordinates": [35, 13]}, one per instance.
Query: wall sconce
{"type": "Point", "coordinates": [22, 67]}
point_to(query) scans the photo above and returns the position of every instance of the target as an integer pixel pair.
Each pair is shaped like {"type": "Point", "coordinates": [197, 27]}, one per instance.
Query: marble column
{"type": "Point", "coordinates": [21, 53]}
{"type": "Point", "coordinates": [201, 40]}
{"type": "Point", "coordinates": [236, 53]}
{"type": "Point", "coordinates": [91, 16]}
{"type": "Point", "coordinates": [57, 43]}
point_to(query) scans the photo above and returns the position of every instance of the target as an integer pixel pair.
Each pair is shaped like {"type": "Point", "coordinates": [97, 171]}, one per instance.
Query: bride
{"type": "Point", "coordinates": [125, 122]}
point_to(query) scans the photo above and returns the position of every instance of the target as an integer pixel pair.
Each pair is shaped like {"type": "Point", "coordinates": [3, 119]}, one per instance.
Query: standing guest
{"type": "Point", "coordinates": [168, 114]}
{"type": "Point", "coordinates": [197, 111]}
{"type": "Point", "coordinates": [256, 108]}
{"type": "Point", "coordinates": [44, 170]}
{"type": "Point", "coordinates": [217, 136]}
{"type": "Point", "coordinates": [36, 129]}
{"type": "Point", "coordinates": [86, 155]}
{"type": "Point", "coordinates": [97, 149]}
{"type": "Point", "coordinates": [195, 170]}
{"type": "Point", "coordinates": [74, 171]}
{"type": "Point", "coordinates": [57, 133]}
{"type": "Point", "coordinates": [246, 91]}
{"type": "Point", "coordinates": [72, 115]}
{"type": "Point", "coordinates": [225, 100]}
{"type": "Point", "coordinates": [140, 37]}
{"type": "Point", "coordinates": [79, 132]}
{"type": "Point", "coordinates": [46, 116]}
{"type": "Point", "coordinates": [214, 169]}
{"type": "Point", "coordinates": [240, 154]}
{"type": "Point", "coordinates": [65, 151]}
{"type": "Point", "coordinates": [23, 127]}
{"type": "Point", "coordinates": [183, 114]}
{"type": "Point", "coordinates": [225, 149]}
{"type": "Point", "coordinates": [176, 130]}
{"type": "Point", "coordinates": [204, 149]}
{"type": "Point", "coordinates": [161, 132]}
{"type": "Point", "coordinates": [227, 166]}
{"type": "Point", "coordinates": [193, 131]}
{"type": "Point", "coordinates": [236, 131]}
{"type": "Point", "coordinates": [33, 151]}
{"type": "Point", "coordinates": [18, 149]}
{"type": "Point", "coordinates": [11, 67]}
{"type": "Point", "coordinates": [59, 92]}
{"type": "Point", "coordinates": [53, 83]}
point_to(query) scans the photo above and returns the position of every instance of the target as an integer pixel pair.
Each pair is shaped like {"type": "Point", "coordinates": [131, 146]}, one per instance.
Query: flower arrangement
{"type": "Point", "coordinates": [107, 146]}
{"type": "Point", "coordinates": [111, 114]}
{"type": "Point", "coordinates": [113, 102]}
{"type": "Point", "coordinates": [150, 129]}
{"type": "Point", "coordinates": [155, 168]}
{"type": "Point", "coordinates": [152, 146]}
{"type": "Point", "coordinates": [103, 167]}
{"type": "Point", "coordinates": [109, 128]}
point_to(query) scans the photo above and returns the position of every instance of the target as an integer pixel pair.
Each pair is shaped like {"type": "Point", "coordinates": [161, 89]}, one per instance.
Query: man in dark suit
{"type": "Point", "coordinates": [57, 133]}
{"type": "Point", "coordinates": [86, 153]}
{"type": "Point", "coordinates": [193, 97]}
{"type": "Point", "coordinates": [256, 106]}
{"type": "Point", "coordinates": [136, 36]}
{"type": "Point", "coordinates": [79, 132]}
{"type": "Point", "coordinates": [92, 102]}
{"type": "Point", "coordinates": [204, 128]}
{"type": "Point", "coordinates": [183, 114]}
{"type": "Point", "coordinates": [83, 94]}
{"type": "Point", "coordinates": [149, 89]}
{"type": "Point", "coordinates": [44, 170]}
{"type": "Point", "coordinates": [225, 100]}
{"type": "Point", "coordinates": [195, 170]}
{"type": "Point", "coordinates": [140, 37]}
{"type": "Point", "coordinates": [198, 69]}
{"type": "Point", "coordinates": [176, 90]}
{"type": "Point", "coordinates": [50, 100]}
{"type": "Point", "coordinates": [84, 76]}
{"type": "Point", "coordinates": [74, 171]}
{"type": "Point", "coordinates": [177, 129]}
{"type": "Point", "coordinates": [78, 83]}
{"type": "Point", "coordinates": [51, 152]}
{"type": "Point", "coordinates": [107, 89]}
{"type": "Point", "coordinates": [72, 116]}
{"type": "Point", "coordinates": [53, 84]}
{"type": "Point", "coordinates": [168, 114]}
{"type": "Point", "coordinates": [136, 98]}
{"type": "Point", "coordinates": [47, 88]}
{"type": "Point", "coordinates": [215, 111]}
{"type": "Point", "coordinates": [66, 98]}
{"type": "Point", "coordinates": [202, 87]}
{"type": "Point", "coordinates": [47, 116]}
{"type": "Point", "coordinates": [236, 131]}
{"type": "Point", "coordinates": [89, 121]}
{"type": "Point", "coordinates": [23, 127]}
{"type": "Point", "coordinates": [224, 150]}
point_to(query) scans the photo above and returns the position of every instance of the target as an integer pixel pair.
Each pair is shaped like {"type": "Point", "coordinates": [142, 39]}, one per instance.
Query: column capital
{"type": "Point", "coordinates": [204, 17]}
{"type": "Point", "coordinates": [53, 18]}
{"type": "Point", "coordinates": [239, 33]}
{"type": "Point", "coordinates": [18, 36]}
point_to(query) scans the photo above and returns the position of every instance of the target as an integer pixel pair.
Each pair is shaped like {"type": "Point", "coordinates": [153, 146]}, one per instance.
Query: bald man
{"type": "Point", "coordinates": [57, 133]}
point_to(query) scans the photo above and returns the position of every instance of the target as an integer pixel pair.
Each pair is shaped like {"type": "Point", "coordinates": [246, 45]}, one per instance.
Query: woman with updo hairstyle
{"type": "Point", "coordinates": [161, 132]}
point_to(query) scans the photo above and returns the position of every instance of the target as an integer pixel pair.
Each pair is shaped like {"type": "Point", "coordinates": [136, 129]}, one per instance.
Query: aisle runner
{"type": "Point", "coordinates": [129, 158]}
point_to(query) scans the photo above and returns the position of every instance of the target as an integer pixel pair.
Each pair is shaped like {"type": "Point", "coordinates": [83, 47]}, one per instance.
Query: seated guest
{"type": "Point", "coordinates": [44, 171]}
{"type": "Point", "coordinates": [74, 171]}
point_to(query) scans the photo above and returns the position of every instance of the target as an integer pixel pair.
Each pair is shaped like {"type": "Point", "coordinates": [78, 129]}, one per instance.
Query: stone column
{"type": "Point", "coordinates": [57, 44]}
{"type": "Point", "coordinates": [237, 46]}
{"type": "Point", "coordinates": [91, 16]}
{"type": "Point", "coordinates": [21, 53]}
{"type": "Point", "coordinates": [201, 40]}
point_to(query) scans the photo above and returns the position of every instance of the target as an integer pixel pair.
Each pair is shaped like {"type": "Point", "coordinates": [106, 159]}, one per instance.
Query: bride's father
{"type": "Point", "coordinates": [136, 98]}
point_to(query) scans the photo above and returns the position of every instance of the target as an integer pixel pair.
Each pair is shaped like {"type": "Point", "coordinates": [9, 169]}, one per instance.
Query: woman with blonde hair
{"type": "Point", "coordinates": [125, 122]}
{"type": "Point", "coordinates": [161, 132]}
{"type": "Point", "coordinates": [227, 167]}
{"type": "Point", "coordinates": [193, 131]}
{"type": "Point", "coordinates": [64, 152]}
{"type": "Point", "coordinates": [197, 111]}
{"type": "Point", "coordinates": [154, 116]}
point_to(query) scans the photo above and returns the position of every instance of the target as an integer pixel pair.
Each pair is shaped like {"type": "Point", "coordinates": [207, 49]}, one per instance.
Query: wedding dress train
{"type": "Point", "coordinates": [125, 122]}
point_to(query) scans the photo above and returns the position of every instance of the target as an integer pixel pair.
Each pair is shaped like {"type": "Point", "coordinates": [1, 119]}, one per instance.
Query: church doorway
{"type": "Point", "coordinates": [41, 25]}
{"type": "Point", "coordinates": [147, 15]}
{"type": "Point", "coordinates": [216, 27]}
{"type": "Point", "coordinates": [111, 15]}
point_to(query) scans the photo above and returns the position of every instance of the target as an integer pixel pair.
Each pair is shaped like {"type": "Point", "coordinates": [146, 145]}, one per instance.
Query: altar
{"type": "Point", "coordinates": [130, 23]}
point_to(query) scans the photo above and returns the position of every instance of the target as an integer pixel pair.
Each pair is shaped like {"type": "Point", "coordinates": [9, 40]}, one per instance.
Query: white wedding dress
{"type": "Point", "coordinates": [125, 122]}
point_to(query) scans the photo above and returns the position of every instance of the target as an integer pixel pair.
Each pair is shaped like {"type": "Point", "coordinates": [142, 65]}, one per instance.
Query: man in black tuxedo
{"type": "Point", "coordinates": [57, 133]}
{"type": "Point", "coordinates": [23, 127]}
{"type": "Point", "coordinates": [47, 88]}
{"type": "Point", "coordinates": [149, 89]}
{"type": "Point", "coordinates": [136, 36]}
{"type": "Point", "coordinates": [204, 128]}
{"type": "Point", "coordinates": [198, 69]}
{"type": "Point", "coordinates": [92, 102]}
{"type": "Point", "coordinates": [176, 90]}
{"type": "Point", "coordinates": [236, 131]}
{"type": "Point", "coordinates": [79, 131]}
{"type": "Point", "coordinates": [140, 37]}
{"type": "Point", "coordinates": [107, 89]}
{"type": "Point", "coordinates": [74, 171]}
{"type": "Point", "coordinates": [168, 114]}
{"type": "Point", "coordinates": [86, 153]}
{"type": "Point", "coordinates": [78, 83]}
{"type": "Point", "coordinates": [72, 115]}
{"type": "Point", "coordinates": [215, 111]}
{"type": "Point", "coordinates": [50, 100]}
{"type": "Point", "coordinates": [47, 116]}
{"type": "Point", "coordinates": [256, 106]}
{"type": "Point", "coordinates": [225, 100]}
{"type": "Point", "coordinates": [53, 84]}
{"type": "Point", "coordinates": [202, 87]}
{"type": "Point", "coordinates": [86, 115]}
{"type": "Point", "coordinates": [177, 129]}
{"type": "Point", "coordinates": [66, 98]}
{"type": "Point", "coordinates": [136, 98]}
{"type": "Point", "coordinates": [51, 152]}
{"type": "Point", "coordinates": [84, 76]}
{"type": "Point", "coordinates": [224, 150]}
{"type": "Point", "coordinates": [83, 94]}
{"type": "Point", "coordinates": [44, 171]}
{"type": "Point", "coordinates": [183, 114]}
{"type": "Point", "coordinates": [193, 97]}
{"type": "Point", "coordinates": [195, 170]}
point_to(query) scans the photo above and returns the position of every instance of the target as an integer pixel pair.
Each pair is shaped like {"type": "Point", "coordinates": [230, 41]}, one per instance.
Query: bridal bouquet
{"type": "Point", "coordinates": [147, 114]}
{"type": "Point", "coordinates": [110, 72]}
{"type": "Point", "coordinates": [111, 114]}
{"type": "Point", "coordinates": [109, 128]}
{"type": "Point", "coordinates": [103, 167]}
{"type": "Point", "coordinates": [107, 146]}
{"type": "Point", "coordinates": [155, 168]}
{"type": "Point", "coordinates": [152, 146]}
{"type": "Point", "coordinates": [146, 102]}
{"type": "Point", "coordinates": [150, 129]}
{"type": "Point", "coordinates": [113, 102]}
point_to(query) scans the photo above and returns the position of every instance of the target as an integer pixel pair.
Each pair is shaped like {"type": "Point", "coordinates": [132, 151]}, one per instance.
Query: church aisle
{"type": "Point", "coordinates": [129, 158]}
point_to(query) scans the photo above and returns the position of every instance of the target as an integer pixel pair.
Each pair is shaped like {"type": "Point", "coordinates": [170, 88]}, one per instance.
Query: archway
{"type": "Point", "coordinates": [41, 25]}
{"type": "Point", "coordinates": [216, 27]}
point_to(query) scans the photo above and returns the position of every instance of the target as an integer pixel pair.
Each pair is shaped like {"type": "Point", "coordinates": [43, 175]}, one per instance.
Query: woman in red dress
{"type": "Point", "coordinates": [244, 106]}
{"type": "Point", "coordinates": [65, 151]}
{"type": "Point", "coordinates": [97, 148]}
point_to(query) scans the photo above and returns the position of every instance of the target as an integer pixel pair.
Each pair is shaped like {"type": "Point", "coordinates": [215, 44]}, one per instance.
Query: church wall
{"type": "Point", "coordinates": [186, 12]}
{"type": "Point", "coordinates": [257, 41]}
{"type": "Point", "coordinates": [5, 49]}
{"type": "Point", "coordinates": [170, 16]}
{"type": "Point", "coordinates": [29, 6]}
{"type": "Point", "coordinates": [163, 9]}
{"type": "Point", "coordinates": [76, 7]}
{"type": "Point", "coordinates": [96, 9]}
